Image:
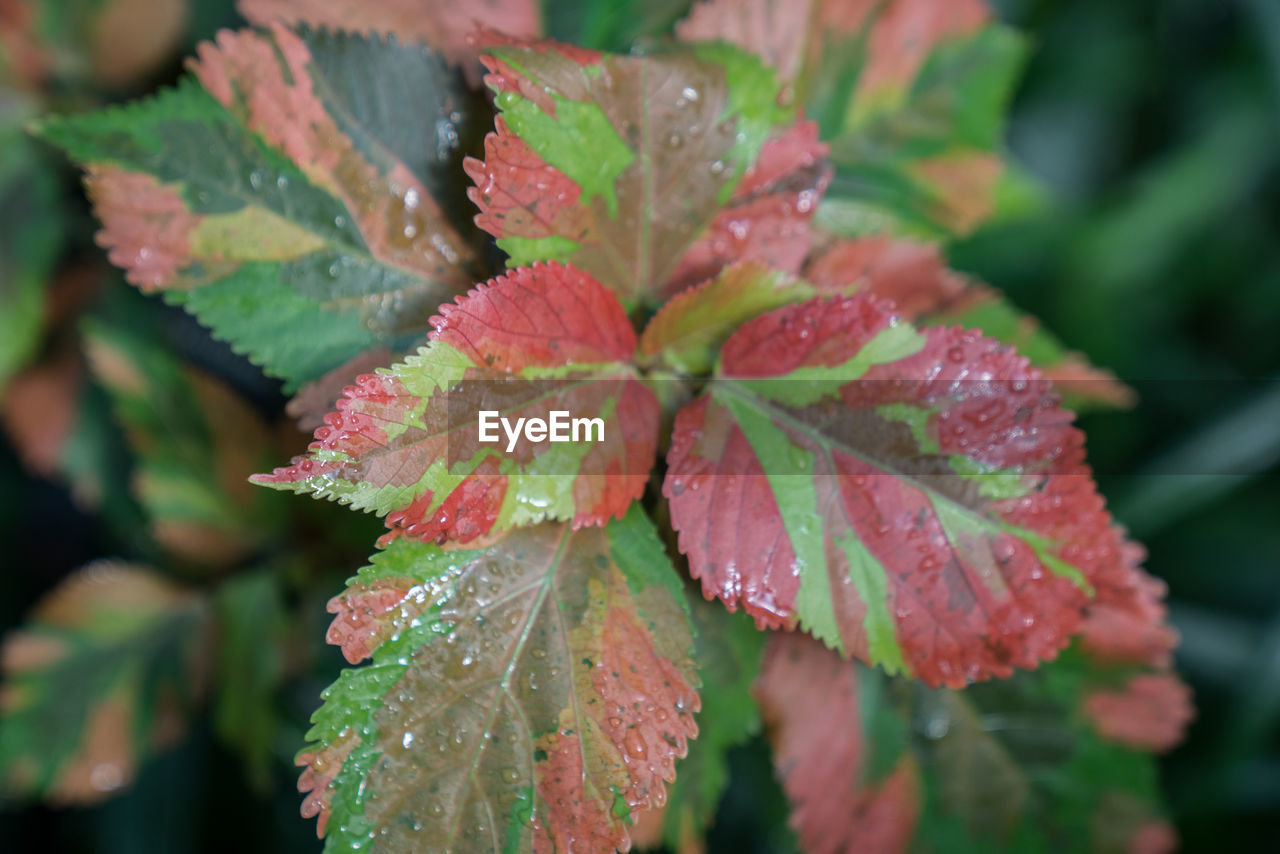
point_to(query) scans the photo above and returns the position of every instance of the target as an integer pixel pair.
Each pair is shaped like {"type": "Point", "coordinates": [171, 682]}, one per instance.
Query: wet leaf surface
{"type": "Point", "coordinates": [526, 696]}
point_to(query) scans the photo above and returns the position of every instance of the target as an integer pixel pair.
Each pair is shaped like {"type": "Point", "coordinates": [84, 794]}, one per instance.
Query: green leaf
{"type": "Point", "coordinates": [31, 237]}
{"type": "Point", "coordinates": [251, 626]}
{"type": "Point", "coordinates": [103, 674]}
{"type": "Point", "coordinates": [728, 651]}
{"type": "Point", "coordinates": [286, 203]}
{"type": "Point", "coordinates": [196, 443]}
{"type": "Point", "coordinates": [532, 693]}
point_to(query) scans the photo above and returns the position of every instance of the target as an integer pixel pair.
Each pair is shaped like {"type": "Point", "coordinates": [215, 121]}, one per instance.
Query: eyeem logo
{"type": "Point", "coordinates": [560, 428]}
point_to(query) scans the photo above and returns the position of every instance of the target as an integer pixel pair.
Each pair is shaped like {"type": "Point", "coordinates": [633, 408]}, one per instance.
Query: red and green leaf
{"type": "Point", "coordinates": [848, 792]}
{"type": "Point", "coordinates": [196, 443]}
{"type": "Point", "coordinates": [915, 277]}
{"type": "Point", "coordinates": [527, 696]}
{"type": "Point", "coordinates": [405, 442]}
{"type": "Point", "coordinates": [88, 44]}
{"type": "Point", "coordinates": [445, 27]}
{"type": "Point", "coordinates": [103, 674]}
{"type": "Point", "coordinates": [687, 332]}
{"type": "Point", "coordinates": [279, 201]}
{"type": "Point", "coordinates": [620, 163]}
{"type": "Point", "coordinates": [767, 220]}
{"type": "Point", "coordinates": [878, 766]}
{"type": "Point", "coordinates": [910, 94]}
{"type": "Point", "coordinates": [914, 498]}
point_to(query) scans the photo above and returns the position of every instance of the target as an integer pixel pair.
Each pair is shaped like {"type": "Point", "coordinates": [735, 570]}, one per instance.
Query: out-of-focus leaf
{"type": "Point", "coordinates": [287, 203]}
{"type": "Point", "coordinates": [849, 790]}
{"type": "Point", "coordinates": [728, 649]}
{"type": "Point", "coordinates": [406, 442]}
{"type": "Point", "coordinates": [613, 26]}
{"type": "Point", "coordinates": [250, 625]}
{"type": "Point", "coordinates": [104, 673]}
{"type": "Point", "coordinates": [878, 765]}
{"type": "Point", "coordinates": [40, 409]}
{"type": "Point", "coordinates": [910, 94]}
{"type": "Point", "coordinates": [917, 499]}
{"type": "Point", "coordinates": [915, 276]}
{"type": "Point", "coordinates": [88, 43]}
{"type": "Point", "coordinates": [618, 164]}
{"type": "Point", "coordinates": [527, 696]}
{"type": "Point", "coordinates": [446, 27]}
{"type": "Point", "coordinates": [30, 238]}
{"type": "Point", "coordinates": [196, 444]}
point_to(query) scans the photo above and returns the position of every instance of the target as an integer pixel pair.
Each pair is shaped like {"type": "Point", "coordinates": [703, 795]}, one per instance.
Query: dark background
{"type": "Point", "coordinates": [1155, 127]}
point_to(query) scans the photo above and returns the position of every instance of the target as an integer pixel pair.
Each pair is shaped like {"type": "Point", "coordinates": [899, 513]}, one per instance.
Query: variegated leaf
{"type": "Point", "coordinates": [915, 498]}
{"type": "Point", "coordinates": [526, 696]}
{"type": "Point", "coordinates": [407, 442]}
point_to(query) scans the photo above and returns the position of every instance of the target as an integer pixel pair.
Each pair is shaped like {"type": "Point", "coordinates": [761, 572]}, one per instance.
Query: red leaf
{"type": "Point", "coordinates": [915, 277]}
{"type": "Point", "coordinates": [809, 698]}
{"type": "Point", "coordinates": [916, 499]}
{"type": "Point", "coordinates": [1151, 712]}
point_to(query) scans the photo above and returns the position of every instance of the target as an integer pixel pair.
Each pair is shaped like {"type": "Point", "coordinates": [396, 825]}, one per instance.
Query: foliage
{"type": "Point", "coordinates": [723, 247]}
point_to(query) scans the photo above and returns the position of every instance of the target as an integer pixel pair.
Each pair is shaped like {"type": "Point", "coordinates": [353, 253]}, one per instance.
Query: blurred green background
{"type": "Point", "coordinates": [1154, 126]}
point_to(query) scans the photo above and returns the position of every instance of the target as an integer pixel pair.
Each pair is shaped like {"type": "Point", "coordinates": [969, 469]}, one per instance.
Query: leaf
{"type": "Point", "coordinates": [40, 409]}
{"type": "Point", "coordinates": [446, 28]}
{"type": "Point", "coordinates": [767, 219]}
{"type": "Point", "coordinates": [526, 696]}
{"type": "Point", "coordinates": [910, 94]}
{"type": "Point", "coordinates": [914, 275]}
{"type": "Point", "coordinates": [916, 139]}
{"type": "Point", "coordinates": [728, 650]}
{"type": "Point", "coordinates": [615, 26]}
{"type": "Point", "coordinates": [316, 399]}
{"type": "Point", "coordinates": [687, 332]}
{"type": "Point", "coordinates": [1134, 698]}
{"type": "Point", "coordinates": [251, 627]}
{"type": "Point", "coordinates": [617, 163]}
{"type": "Point", "coordinates": [878, 765]}
{"type": "Point", "coordinates": [30, 240]}
{"type": "Point", "coordinates": [196, 442]}
{"type": "Point", "coordinates": [916, 499]}
{"type": "Point", "coordinates": [286, 204]}
{"type": "Point", "coordinates": [1150, 712]}
{"type": "Point", "coordinates": [825, 755]}
{"type": "Point", "coordinates": [103, 674]}
{"type": "Point", "coordinates": [95, 44]}
{"type": "Point", "coordinates": [406, 443]}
